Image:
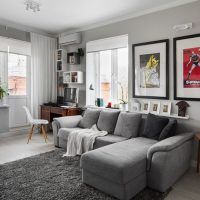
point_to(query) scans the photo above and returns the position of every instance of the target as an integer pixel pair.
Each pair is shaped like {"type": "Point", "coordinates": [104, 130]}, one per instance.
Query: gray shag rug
{"type": "Point", "coordinates": [49, 176]}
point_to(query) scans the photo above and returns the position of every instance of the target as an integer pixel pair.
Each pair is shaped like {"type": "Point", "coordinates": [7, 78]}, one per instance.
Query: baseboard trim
{"type": "Point", "coordinates": [15, 131]}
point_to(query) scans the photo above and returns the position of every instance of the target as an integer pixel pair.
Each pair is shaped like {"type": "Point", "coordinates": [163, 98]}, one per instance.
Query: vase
{"type": "Point", "coordinates": [124, 107]}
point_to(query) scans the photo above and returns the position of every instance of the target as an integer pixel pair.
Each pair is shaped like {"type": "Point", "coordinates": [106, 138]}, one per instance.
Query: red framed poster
{"type": "Point", "coordinates": [187, 68]}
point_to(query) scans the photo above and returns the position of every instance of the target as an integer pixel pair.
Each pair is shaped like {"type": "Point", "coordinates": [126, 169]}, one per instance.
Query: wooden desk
{"type": "Point", "coordinates": [49, 112]}
{"type": "Point", "coordinates": [197, 136]}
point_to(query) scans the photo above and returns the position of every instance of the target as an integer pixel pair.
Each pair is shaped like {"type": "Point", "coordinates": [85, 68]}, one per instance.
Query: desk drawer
{"type": "Point", "coordinates": [56, 110]}
{"type": "Point", "coordinates": [72, 112]}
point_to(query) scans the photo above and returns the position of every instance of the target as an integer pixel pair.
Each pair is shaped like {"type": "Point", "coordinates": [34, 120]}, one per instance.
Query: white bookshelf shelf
{"type": "Point", "coordinates": [171, 116]}
{"type": "Point", "coordinates": [61, 60]}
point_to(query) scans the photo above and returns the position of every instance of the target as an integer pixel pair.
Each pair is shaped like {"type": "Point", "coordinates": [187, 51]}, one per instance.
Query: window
{"type": "Point", "coordinates": [110, 69]}
{"type": "Point", "coordinates": [107, 70]}
{"type": "Point", "coordinates": [17, 74]}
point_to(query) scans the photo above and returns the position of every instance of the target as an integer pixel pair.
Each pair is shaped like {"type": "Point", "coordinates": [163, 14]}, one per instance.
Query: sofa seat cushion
{"type": "Point", "coordinates": [107, 120]}
{"type": "Point", "coordinates": [119, 162]}
{"type": "Point", "coordinates": [108, 139]}
{"type": "Point", "coordinates": [64, 132]}
{"type": "Point", "coordinates": [128, 125]}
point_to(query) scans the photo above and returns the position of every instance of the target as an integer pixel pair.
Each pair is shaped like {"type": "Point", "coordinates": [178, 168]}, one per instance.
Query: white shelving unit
{"type": "Point", "coordinates": [73, 77]}
{"type": "Point", "coordinates": [171, 116]}
{"type": "Point", "coordinates": [61, 60]}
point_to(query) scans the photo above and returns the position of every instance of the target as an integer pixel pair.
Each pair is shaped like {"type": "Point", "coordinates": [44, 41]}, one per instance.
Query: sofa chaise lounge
{"type": "Point", "coordinates": [126, 160]}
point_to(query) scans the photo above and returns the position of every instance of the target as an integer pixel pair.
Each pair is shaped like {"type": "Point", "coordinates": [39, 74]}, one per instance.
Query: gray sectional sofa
{"type": "Point", "coordinates": [131, 157]}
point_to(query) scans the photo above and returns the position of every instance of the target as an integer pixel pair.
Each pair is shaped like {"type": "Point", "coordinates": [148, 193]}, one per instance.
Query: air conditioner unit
{"type": "Point", "coordinates": [74, 38]}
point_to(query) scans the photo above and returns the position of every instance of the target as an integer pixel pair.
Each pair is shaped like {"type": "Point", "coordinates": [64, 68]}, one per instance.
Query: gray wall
{"type": "Point", "coordinates": [146, 28]}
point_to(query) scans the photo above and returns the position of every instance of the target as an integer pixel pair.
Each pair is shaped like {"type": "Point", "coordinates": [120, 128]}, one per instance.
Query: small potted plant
{"type": "Point", "coordinates": [3, 92]}
{"type": "Point", "coordinates": [123, 102]}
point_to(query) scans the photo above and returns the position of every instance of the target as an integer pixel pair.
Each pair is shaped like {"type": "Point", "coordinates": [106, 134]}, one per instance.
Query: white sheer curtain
{"type": "Point", "coordinates": [43, 71]}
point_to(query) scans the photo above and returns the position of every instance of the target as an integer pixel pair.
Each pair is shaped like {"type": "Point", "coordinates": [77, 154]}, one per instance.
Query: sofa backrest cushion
{"type": "Point", "coordinates": [169, 130]}
{"type": "Point", "coordinates": [128, 125]}
{"type": "Point", "coordinates": [153, 126]}
{"type": "Point", "coordinates": [90, 118]}
{"type": "Point", "coordinates": [107, 120]}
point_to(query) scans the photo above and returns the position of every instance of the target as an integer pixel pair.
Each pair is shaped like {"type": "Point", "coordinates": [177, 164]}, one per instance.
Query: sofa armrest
{"type": "Point", "coordinates": [68, 121]}
{"type": "Point", "coordinates": [168, 160]}
{"type": "Point", "coordinates": [168, 144]}
{"type": "Point", "coordinates": [64, 122]}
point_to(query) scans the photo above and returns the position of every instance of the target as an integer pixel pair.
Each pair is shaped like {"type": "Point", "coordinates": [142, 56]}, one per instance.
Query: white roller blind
{"type": "Point", "coordinates": [15, 46]}
{"type": "Point", "coordinates": [107, 43]}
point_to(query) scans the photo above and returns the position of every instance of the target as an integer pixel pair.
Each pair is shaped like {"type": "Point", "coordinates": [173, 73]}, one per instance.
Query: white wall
{"type": "Point", "coordinates": [155, 26]}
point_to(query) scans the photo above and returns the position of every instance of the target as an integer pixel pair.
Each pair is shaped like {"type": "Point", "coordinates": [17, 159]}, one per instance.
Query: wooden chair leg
{"type": "Point", "coordinates": [44, 133]}
{"type": "Point", "coordinates": [30, 134]}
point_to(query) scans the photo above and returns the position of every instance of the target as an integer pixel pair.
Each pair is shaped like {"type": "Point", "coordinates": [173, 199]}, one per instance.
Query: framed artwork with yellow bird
{"type": "Point", "coordinates": [151, 70]}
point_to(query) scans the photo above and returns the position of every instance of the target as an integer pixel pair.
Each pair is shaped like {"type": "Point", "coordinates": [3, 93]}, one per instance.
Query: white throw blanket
{"type": "Point", "coordinates": [81, 141]}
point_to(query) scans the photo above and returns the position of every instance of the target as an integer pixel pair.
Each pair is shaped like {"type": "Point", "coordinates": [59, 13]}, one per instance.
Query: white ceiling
{"type": "Point", "coordinates": [57, 16]}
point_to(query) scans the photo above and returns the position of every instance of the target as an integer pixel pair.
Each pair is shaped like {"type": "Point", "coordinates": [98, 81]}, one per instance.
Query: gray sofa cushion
{"type": "Point", "coordinates": [106, 140]}
{"type": "Point", "coordinates": [119, 162]}
{"type": "Point", "coordinates": [90, 118]}
{"type": "Point", "coordinates": [128, 125]}
{"type": "Point", "coordinates": [169, 130]}
{"type": "Point", "coordinates": [107, 120]}
{"type": "Point", "coordinates": [64, 132]}
{"type": "Point", "coordinates": [153, 126]}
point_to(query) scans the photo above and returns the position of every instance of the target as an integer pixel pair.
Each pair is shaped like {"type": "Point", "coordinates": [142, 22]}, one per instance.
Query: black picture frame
{"type": "Point", "coordinates": [175, 40]}
{"type": "Point", "coordinates": [166, 41]}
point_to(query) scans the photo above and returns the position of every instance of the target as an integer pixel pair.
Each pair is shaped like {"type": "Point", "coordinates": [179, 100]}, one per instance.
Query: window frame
{"type": "Point", "coordinates": [114, 74]}
{"type": "Point", "coordinates": [5, 79]}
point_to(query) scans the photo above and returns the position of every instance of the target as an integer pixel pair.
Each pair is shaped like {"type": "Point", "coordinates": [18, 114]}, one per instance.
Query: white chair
{"type": "Point", "coordinates": [35, 122]}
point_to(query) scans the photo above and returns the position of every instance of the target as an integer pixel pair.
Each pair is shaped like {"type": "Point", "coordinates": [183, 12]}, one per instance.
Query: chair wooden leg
{"type": "Point", "coordinates": [30, 133]}
{"type": "Point", "coordinates": [44, 133]}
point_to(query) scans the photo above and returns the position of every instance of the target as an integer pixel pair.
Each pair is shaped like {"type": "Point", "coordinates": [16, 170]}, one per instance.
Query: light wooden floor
{"type": "Point", "coordinates": [13, 146]}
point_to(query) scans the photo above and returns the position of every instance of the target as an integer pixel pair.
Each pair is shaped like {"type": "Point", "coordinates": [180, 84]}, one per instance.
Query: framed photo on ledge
{"type": "Point", "coordinates": [165, 108]}
{"type": "Point", "coordinates": [151, 70]}
{"type": "Point", "coordinates": [155, 107]}
{"type": "Point", "coordinates": [187, 68]}
{"type": "Point", "coordinates": [145, 106]}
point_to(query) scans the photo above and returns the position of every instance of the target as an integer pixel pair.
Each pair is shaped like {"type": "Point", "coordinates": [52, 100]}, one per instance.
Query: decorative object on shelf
{"type": "Point", "coordinates": [155, 107]}
{"type": "Point", "coordinates": [91, 87]}
{"type": "Point", "coordinates": [33, 5]}
{"type": "Point", "coordinates": [135, 106]}
{"type": "Point", "coordinates": [73, 77]}
{"type": "Point", "coordinates": [99, 102]}
{"type": "Point", "coordinates": [73, 58]}
{"type": "Point", "coordinates": [145, 106]}
{"type": "Point", "coordinates": [165, 108]}
{"type": "Point", "coordinates": [123, 106]}
{"type": "Point", "coordinates": [80, 52]}
{"type": "Point", "coordinates": [92, 95]}
{"type": "Point", "coordinates": [182, 108]}
{"type": "Point", "coordinates": [109, 105]}
{"type": "Point", "coordinates": [123, 102]}
{"type": "Point", "coordinates": [151, 70]}
{"type": "Point", "coordinates": [187, 68]}
{"type": "Point", "coordinates": [116, 105]}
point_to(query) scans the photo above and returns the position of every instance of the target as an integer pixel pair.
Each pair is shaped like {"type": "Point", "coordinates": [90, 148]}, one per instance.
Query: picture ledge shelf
{"type": "Point", "coordinates": [171, 116]}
